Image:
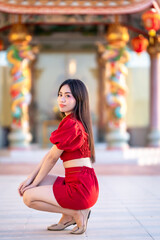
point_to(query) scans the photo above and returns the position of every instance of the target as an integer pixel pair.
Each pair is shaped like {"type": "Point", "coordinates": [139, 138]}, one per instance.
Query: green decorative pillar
{"type": "Point", "coordinates": [19, 56]}
{"type": "Point", "coordinates": [114, 56]}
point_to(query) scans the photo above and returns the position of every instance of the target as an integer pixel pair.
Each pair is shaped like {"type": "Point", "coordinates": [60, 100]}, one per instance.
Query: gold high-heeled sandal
{"type": "Point", "coordinates": [61, 226]}
{"type": "Point", "coordinates": [77, 230]}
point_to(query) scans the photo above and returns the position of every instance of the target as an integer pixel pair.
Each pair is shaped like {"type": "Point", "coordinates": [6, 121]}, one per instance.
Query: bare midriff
{"type": "Point", "coordinates": [80, 162]}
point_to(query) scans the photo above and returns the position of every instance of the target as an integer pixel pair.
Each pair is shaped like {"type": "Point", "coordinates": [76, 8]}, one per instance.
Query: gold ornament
{"type": "Point", "coordinates": [117, 32]}
{"type": "Point", "coordinates": [19, 33]}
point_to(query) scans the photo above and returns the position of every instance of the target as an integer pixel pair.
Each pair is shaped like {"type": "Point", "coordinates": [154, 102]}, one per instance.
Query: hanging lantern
{"type": "Point", "coordinates": [151, 21]}
{"type": "Point", "coordinates": [139, 44]}
{"type": "Point", "coordinates": [1, 45]}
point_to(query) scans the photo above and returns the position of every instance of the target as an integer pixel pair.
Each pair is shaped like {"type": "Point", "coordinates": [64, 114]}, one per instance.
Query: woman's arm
{"type": "Point", "coordinates": [47, 164]}
{"type": "Point", "coordinates": [36, 170]}
{"type": "Point", "coordinates": [31, 176]}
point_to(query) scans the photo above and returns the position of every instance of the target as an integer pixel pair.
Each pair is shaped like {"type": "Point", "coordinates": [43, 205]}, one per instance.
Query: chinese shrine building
{"type": "Point", "coordinates": [113, 46]}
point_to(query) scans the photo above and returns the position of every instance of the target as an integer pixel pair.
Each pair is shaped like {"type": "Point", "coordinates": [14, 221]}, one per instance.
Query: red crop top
{"type": "Point", "coordinates": [72, 138]}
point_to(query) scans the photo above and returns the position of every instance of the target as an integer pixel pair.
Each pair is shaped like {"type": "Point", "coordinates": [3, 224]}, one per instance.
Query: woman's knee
{"type": "Point", "coordinates": [27, 198]}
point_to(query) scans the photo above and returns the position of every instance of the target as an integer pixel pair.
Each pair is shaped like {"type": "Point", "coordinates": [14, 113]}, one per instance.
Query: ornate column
{"type": "Point", "coordinates": [20, 55]}
{"type": "Point", "coordinates": [113, 58]}
{"type": "Point", "coordinates": [154, 132]}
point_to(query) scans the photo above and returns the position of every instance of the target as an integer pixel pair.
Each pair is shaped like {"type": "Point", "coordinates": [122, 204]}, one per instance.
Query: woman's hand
{"type": "Point", "coordinates": [32, 185]}
{"type": "Point", "coordinates": [23, 185]}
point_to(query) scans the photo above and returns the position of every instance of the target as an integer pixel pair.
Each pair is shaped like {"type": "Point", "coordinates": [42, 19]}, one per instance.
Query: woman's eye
{"type": "Point", "coordinates": [60, 95]}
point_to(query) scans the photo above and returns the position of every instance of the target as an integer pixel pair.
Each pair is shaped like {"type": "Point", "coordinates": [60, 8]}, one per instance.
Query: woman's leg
{"type": "Point", "coordinates": [42, 198]}
{"type": "Point", "coordinates": [49, 180]}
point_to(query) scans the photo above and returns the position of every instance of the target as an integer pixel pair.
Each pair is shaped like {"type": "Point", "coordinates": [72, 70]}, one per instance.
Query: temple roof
{"type": "Point", "coordinates": [99, 7]}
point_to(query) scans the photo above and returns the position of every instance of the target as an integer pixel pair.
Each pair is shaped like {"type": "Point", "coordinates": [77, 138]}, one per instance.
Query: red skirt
{"type": "Point", "coordinates": [78, 189]}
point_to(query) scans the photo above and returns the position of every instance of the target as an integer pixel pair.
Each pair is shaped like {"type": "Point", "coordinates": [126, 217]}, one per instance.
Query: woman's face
{"type": "Point", "coordinates": [66, 101]}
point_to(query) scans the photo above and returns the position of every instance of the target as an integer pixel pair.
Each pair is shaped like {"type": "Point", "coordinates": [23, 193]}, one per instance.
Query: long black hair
{"type": "Point", "coordinates": [81, 110]}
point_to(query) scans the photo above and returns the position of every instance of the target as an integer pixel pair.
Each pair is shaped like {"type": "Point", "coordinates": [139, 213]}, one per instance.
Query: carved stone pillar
{"type": "Point", "coordinates": [20, 55]}
{"type": "Point", "coordinates": [154, 125]}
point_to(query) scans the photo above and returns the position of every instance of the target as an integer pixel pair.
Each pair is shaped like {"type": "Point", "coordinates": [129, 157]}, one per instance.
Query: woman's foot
{"type": "Point", "coordinates": [64, 222]}
{"type": "Point", "coordinates": [81, 218]}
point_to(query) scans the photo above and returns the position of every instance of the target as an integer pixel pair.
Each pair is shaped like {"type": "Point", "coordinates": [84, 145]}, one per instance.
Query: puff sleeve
{"type": "Point", "coordinates": [69, 136]}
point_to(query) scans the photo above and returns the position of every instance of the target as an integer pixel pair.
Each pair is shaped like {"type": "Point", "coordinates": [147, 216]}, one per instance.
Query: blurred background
{"type": "Point", "coordinates": [112, 46]}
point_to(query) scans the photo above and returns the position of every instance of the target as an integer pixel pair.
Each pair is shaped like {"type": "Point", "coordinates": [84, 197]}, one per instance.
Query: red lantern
{"type": "Point", "coordinates": [139, 44]}
{"type": "Point", "coordinates": [1, 45]}
{"type": "Point", "coordinates": [151, 21]}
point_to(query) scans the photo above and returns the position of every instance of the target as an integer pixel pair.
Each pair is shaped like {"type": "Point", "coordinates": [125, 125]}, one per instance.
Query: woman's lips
{"type": "Point", "coordinates": [62, 105]}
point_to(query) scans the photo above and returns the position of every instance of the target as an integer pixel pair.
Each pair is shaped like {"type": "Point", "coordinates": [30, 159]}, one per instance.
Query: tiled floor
{"type": "Point", "coordinates": [128, 209]}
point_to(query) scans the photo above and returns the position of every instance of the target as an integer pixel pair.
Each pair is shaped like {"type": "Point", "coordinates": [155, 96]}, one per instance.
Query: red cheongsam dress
{"type": "Point", "coordinates": [79, 188]}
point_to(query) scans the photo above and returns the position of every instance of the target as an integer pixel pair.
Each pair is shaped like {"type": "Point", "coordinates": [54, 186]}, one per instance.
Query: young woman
{"type": "Point", "coordinates": [74, 194]}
